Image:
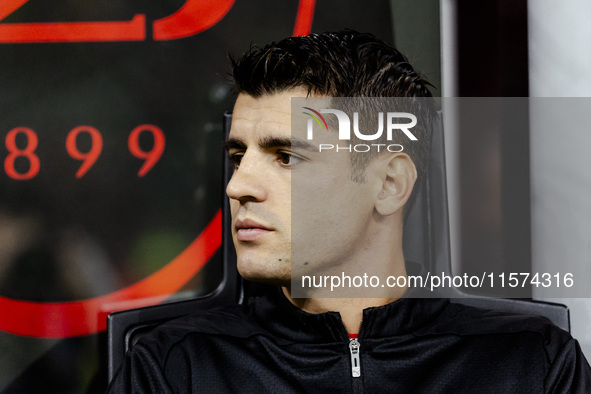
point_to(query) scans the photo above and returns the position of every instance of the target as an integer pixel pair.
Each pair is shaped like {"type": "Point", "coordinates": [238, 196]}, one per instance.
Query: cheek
{"type": "Point", "coordinates": [234, 205]}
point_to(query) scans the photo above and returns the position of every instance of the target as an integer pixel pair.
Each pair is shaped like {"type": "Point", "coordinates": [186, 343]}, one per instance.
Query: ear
{"type": "Point", "coordinates": [398, 178]}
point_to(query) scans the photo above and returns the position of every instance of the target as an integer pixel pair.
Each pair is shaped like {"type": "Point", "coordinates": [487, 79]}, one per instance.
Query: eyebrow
{"type": "Point", "coordinates": [234, 143]}
{"type": "Point", "coordinates": [270, 143]}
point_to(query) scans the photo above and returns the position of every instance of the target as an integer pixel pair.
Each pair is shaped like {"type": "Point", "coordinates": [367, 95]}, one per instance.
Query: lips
{"type": "Point", "coordinates": [250, 230]}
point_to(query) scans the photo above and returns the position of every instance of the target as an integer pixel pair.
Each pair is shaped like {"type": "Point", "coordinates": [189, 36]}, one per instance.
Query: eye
{"type": "Point", "coordinates": [288, 159]}
{"type": "Point", "coordinates": [236, 158]}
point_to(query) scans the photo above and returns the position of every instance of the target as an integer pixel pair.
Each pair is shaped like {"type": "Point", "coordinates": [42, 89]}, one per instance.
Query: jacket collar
{"type": "Point", "coordinates": [281, 318]}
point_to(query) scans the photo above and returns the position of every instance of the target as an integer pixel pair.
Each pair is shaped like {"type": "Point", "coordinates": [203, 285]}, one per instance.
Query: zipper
{"type": "Point", "coordinates": [355, 359]}
{"type": "Point", "coordinates": [354, 346]}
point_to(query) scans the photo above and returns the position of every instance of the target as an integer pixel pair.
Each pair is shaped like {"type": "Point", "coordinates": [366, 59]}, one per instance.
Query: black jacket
{"type": "Point", "coordinates": [411, 345]}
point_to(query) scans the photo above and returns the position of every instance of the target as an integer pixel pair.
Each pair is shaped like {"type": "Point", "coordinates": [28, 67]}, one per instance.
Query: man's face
{"type": "Point", "coordinates": [279, 173]}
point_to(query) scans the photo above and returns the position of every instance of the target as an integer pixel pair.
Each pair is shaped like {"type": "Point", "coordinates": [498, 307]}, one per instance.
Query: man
{"type": "Point", "coordinates": [296, 207]}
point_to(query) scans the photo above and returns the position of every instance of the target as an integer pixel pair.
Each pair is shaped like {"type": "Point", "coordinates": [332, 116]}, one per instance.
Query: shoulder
{"type": "Point", "coordinates": [523, 349]}
{"type": "Point", "coordinates": [474, 320]}
{"type": "Point", "coordinates": [514, 331]}
{"type": "Point", "coordinates": [164, 358]}
{"type": "Point", "coordinates": [221, 323]}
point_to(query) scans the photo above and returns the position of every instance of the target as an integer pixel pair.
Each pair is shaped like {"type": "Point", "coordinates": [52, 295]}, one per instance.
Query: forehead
{"type": "Point", "coordinates": [267, 115]}
{"type": "Point", "coordinates": [270, 113]}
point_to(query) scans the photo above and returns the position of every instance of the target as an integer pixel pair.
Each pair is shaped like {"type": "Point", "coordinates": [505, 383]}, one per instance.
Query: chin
{"type": "Point", "coordinates": [278, 276]}
{"type": "Point", "coordinates": [268, 281]}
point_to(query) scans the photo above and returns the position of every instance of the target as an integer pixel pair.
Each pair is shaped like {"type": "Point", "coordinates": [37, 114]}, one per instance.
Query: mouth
{"type": "Point", "coordinates": [250, 230]}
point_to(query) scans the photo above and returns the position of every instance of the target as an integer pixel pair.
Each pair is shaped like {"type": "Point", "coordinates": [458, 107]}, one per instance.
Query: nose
{"type": "Point", "coordinates": [248, 180]}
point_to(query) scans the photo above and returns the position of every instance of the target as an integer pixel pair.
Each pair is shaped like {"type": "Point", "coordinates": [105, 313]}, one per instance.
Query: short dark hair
{"type": "Point", "coordinates": [340, 64]}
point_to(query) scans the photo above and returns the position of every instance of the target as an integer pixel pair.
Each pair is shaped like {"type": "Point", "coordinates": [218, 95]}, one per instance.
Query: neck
{"type": "Point", "coordinates": [382, 257]}
{"type": "Point", "coordinates": [350, 309]}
